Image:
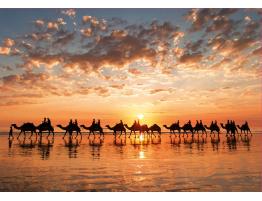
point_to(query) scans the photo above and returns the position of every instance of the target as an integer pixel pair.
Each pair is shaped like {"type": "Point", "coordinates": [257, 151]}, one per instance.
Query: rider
{"type": "Point", "coordinates": [76, 123]}
{"type": "Point", "coordinates": [48, 122]}
{"type": "Point", "coordinates": [98, 123]}
{"type": "Point", "coordinates": [121, 123]}
{"type": "Point", "coordinates": [94, 122]}
{"type": "Point", "coordinates": [201, 124]}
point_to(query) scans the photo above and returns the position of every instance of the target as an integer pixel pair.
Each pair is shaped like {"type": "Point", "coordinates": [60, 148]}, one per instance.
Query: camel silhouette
{"type": "Point", "coordinates": [93, 128]}
{"type": "Point", "coordinates": [244, 128]}
{"type": "Point", "coordinates": [137, 127]}
{"type": "Point", "coordinates": [45, 127]}
{"type": "Point", "coordinates": [230, 127]}
{"type": "Point", "coordinates": [226, 127]}
{"type": "Point", "coordinates": [187, 127]}
{"type": "Point", "coordinates": [117, 128]}
{"type": "Point", "coordinates": [173, 128]}
{"type": "Point", "coordinates": [70, 128]}
{"type": "Point", "coordinates": [213, 127]}
{"type": "Point", "coordinates": [199, 127]}
{"type": "Point", "coordinates": [154, 128]}
{"type": "Point", "coordinates": [26, 127]}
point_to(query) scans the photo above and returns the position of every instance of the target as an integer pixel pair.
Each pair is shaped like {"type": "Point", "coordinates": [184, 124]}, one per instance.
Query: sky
{"type": "Point", "coordinates": [113, 64]}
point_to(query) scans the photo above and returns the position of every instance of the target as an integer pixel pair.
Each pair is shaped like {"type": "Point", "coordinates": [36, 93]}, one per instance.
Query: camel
{"type": "Point", "coordinates": [117, 128]}
{"type": "Point", "coordinates": [227, 127]}
{"type": "Point", "coordinates": [200, 127]}
{"type": "Point", "coordinates": [230, 128]}
{"type": "Point", "coordinates": [26, 127]}
{"type": "Point", "coordinates": [156, 128]}
{"type": "Point", "coordinates": [173, 128]}
{"type": "Point", "coordinates": [137, 127]}
{"type": "Point", "coordinates": [70, 129]}
{"type": "Point", "coordinates": [245, 128]}
{"type": "Point", "coordinates": [45, 127]}
{"type": "Point", "coordinates": [213, 127]}
{"type": "Point", "coordinates": [187, 127]}
{"type": "Point", "coordinates": [93, 128]}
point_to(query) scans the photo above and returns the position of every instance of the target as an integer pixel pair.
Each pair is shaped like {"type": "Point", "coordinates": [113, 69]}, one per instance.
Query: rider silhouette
{"type": "Point", "coordinates": [94, 122]}
{"type": "Point", "coordinates": [48, 122]}
{"type": "Point", "coordinates": [98, 123]}
{"type": "Point", "coordinates": [121, 123]}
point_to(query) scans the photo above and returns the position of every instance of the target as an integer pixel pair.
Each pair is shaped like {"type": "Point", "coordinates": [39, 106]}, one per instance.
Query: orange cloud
{"type": "Point", "coordinates": [4, 50]}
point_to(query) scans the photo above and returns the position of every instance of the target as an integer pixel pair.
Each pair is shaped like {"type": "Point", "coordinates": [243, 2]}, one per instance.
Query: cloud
{"type": "Point", "coordinates": [222, 24]}
{"type": "Point", "coordinates": [191, 58]}
{"type": "Point", "coordinates": [52, 26]}
{"type": "Point", "coordinates": [201, 18]}
{"type": "Point", "coordinates": [86, 32]}
{"type": "Point", "coordinates": [69, 12]}
{"type": "Point", "coordinates": [192, 46]}
{"type": "Point", "coordinates": [86, 18]}
{"type": "Point", "coordinates": [117, 86]}
{"type": "Point", "coordinates": [36, 59]}
{"type": "Point", "coordinates": [65, 39]}
{"type": "Point", "coordinates": [257, 51]}
{"type": "Point", "coordinates": [134, 71]}
{"type": "Point", "coordinates": [8, 42]}
{"type": "Point", "coordinates": [39, 23]}
{"type": "Point", "coordinates": [4, 50]}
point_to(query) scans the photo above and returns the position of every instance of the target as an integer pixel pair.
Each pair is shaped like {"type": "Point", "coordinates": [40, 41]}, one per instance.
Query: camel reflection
{"type": "Point", "coordinates": [155, 139]}
{"type": "Point", "coordinates": [72, 144]}
{"type": "Point", "coordinates": [140, 140]}
{"type": "Point", "coordinates": [189, 140]}
{"type": "Point", "coordinates": [27, 145]}
{"type": "Point", "coordinates": [44, 147]}
{"type": "Point", "coordinates": [95, 144]}
{"type": "Point", "coordinates": [246, 139]}
{"type": "Point", "coordinates": [215, 141]}
{"type": "Point", "coordinates": [119, 141]}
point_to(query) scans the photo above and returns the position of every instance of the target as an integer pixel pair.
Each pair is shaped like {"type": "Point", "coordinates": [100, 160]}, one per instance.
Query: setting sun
{"type": "Point", "coordinates": [140, 116]}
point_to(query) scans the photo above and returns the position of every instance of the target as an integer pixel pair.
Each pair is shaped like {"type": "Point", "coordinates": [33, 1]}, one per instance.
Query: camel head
{"type": "Point", "coordinates": [13, 125]}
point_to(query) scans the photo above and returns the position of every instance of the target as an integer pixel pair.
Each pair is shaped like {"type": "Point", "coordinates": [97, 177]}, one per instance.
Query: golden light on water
{"type": "Point", "coordinates": [141, 155]}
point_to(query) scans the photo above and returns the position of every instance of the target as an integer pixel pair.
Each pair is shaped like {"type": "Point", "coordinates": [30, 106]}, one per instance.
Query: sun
{"type": "Point", "coordinates": [140, 116]}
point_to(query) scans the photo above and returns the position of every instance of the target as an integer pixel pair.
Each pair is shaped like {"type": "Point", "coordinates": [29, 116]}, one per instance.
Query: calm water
{"type": "Point", "coordinates": [129, 164]}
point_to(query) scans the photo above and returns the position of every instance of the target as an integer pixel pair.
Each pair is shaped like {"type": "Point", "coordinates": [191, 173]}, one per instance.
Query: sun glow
{"type": "Point", "coordinates": [140, 116]}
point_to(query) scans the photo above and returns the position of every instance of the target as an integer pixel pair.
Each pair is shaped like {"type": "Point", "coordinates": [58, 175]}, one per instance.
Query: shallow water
{"type": "Point", "coordinates": [131, 164]}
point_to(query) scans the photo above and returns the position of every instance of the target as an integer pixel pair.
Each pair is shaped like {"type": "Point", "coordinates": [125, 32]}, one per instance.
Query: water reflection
{"type": "Point", "coordinates": [96, 143]}
{"type": "Point", "coordinates": [72, 144]}
{"type": "Point", "coordinates": [120, 141]}
{"type": "Point", "coordinates": [215, 141]}
{"type": "Point", "coordinates": [44, 147]}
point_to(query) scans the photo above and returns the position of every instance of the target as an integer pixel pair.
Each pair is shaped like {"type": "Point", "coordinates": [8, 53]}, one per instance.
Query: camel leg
{"type": "Point", "coordinates": [31, 134]}
{"type": "Point", "coordinates": [19, 134]}
{"type": "Point", "coordinates": [64, 135]}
